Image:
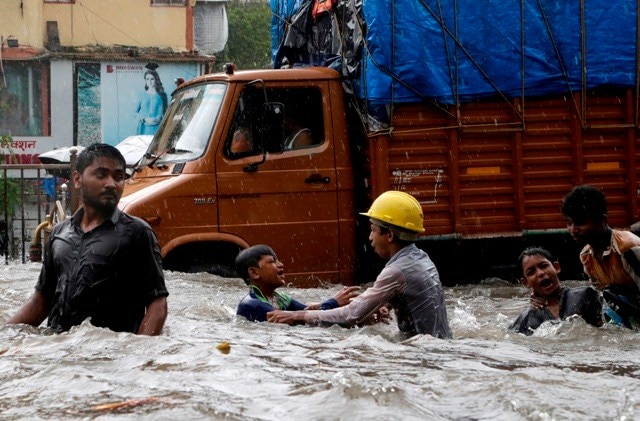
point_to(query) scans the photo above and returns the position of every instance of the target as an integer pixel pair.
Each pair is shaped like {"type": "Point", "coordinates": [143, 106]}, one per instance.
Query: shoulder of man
{"type": "Point", "coordinates": [125, 218]}
{"type": "Point", "coordinates": [59, 228]}
{"type": "Point", "coordinates": [625, 240]}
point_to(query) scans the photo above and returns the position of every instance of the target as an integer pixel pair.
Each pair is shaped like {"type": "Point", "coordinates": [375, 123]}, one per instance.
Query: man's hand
{"type": "Point", "coordinates": [288, 317]}
{"type": "Point", "coordinates": [344, 296]}
{"type": "Point", "coordinates": [537, 302]}
{"type": "Point", "coordinates": [381, 315]}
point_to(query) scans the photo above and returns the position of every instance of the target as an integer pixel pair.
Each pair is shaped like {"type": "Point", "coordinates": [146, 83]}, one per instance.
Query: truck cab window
{"type": "Point", "coordinates": [302, 123]}
{"type": "Point", "coordinates": [186, 129]}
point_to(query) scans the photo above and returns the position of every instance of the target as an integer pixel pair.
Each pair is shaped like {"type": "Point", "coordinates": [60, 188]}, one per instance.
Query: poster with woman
{"type": "Point", "coordinates": [135, 96]}
{"type": "Point", "coordinates": [152, 102]}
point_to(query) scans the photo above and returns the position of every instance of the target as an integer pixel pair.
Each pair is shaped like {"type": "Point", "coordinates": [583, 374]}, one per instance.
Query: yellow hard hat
{"type": "Point", "coordinates": [396, 209]}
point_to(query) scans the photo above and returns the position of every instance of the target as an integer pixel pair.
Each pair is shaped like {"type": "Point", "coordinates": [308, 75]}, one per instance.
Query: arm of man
{"type": "Point", "coordinates": [154, 317]}
{"type": "Point", "coordinates": [388, 283]}
{"type": "Point", "coordinates": [33, 312]}
{"type": "Point", "coordinates": [342, 298]}
{"type": "Point", "coordinates": [628, 245]}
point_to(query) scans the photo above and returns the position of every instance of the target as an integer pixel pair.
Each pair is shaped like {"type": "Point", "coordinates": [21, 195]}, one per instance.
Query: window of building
{"type": "Point", "coordinates": [24, 98]}
{"type": "Point", "coordinates": [169, 2]}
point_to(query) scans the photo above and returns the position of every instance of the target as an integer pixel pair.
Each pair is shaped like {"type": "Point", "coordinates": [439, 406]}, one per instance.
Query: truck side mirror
{"type": "Point", "coordinates": [272, 133]}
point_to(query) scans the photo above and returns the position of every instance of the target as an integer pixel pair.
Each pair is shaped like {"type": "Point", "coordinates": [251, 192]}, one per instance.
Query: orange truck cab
{"type": "Point", "coordinates": [247, 158]}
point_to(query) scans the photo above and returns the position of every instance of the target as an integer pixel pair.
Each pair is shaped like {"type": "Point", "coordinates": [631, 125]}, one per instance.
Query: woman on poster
{"type": "Point", "coordinates": [152, 103]}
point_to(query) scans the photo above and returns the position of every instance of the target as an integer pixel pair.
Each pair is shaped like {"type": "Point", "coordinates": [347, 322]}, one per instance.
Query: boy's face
{"type": "Point", "coordinates": [540, 275]}
{"type": "Point", "coordinates": [270, 272]}
{"type": "Point", "coordinates": [380, 241]}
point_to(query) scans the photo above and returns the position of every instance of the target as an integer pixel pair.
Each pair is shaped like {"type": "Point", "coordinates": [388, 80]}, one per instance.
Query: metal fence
{"type": "Point", "coordinates": [34, 197]}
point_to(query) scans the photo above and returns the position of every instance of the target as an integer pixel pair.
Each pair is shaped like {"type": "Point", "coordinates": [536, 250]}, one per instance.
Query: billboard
{"type": "Point", "coordinates": [133, 98]}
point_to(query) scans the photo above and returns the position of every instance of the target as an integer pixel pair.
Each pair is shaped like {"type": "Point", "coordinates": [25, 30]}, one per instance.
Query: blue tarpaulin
{"type": "Point", "coordinates": [457, 50]}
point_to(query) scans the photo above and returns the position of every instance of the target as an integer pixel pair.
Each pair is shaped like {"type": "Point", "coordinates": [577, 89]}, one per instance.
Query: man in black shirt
{"type": "Point", "coordinates": [101, 263]}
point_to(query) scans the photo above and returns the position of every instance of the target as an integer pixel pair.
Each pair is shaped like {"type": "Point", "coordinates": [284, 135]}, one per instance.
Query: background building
{"type": "Point", "coordinates": [72, 71]}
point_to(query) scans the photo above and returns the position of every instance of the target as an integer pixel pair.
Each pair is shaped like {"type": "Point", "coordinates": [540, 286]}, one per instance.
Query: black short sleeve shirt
{"type": "Point", "coordinates": [109, 274]}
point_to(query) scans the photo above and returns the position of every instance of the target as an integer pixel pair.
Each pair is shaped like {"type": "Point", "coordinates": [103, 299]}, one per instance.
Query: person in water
{"type": "Point", "coordinates": [101, 264]}
{"type": "Point", "coordinates": [409, 283]}
{"type": "Point", "coordinates": [610, 257]}
{"type": "Point", "coordinates": [539, 271]}
{"type": "Point", "coordinates": [262, 271]}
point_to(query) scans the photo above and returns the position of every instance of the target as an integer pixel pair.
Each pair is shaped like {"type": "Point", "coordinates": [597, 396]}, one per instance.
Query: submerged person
{"type": "Point", "coordinates": [262, 271]}
{"type": "Point", "coordinates": [101, 263]}
{"type": "Point", "coordinates": [610, 257]}
{"type": "Point", "coordinates": [539, 272]}
{"type": "Point", "coordinates": [409, 283]}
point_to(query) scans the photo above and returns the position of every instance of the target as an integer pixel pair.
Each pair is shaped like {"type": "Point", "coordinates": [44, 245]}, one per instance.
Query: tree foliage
{"type": "Point", "coordinates": [249, 43]}
{"type": "Point", "coordinates": [10, 195]}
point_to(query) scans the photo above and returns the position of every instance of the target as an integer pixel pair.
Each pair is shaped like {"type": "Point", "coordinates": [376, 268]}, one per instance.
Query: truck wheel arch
{"type": "Point", "coordinates": [214, 253]}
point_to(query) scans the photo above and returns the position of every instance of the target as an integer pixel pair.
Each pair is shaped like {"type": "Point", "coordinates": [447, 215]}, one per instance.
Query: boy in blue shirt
{"type": "Point", "coordinates": [264, 273]}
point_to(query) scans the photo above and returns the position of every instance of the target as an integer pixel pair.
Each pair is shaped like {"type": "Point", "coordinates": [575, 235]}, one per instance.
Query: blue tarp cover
{"type": "Point", "coordinates": [457, 50]}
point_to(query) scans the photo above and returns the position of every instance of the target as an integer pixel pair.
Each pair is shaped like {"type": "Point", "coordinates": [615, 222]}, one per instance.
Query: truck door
{"type": "Point", "coordinates": [277, 179]}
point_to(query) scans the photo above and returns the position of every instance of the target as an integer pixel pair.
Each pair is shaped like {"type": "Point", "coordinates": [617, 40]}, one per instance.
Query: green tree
{"type": "Point", "coordinates": [249, 44]}
{"type": "Point", "coordinates": [10, 195]}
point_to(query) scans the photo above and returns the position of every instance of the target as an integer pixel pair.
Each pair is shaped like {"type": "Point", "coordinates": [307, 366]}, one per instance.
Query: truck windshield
{"type": "Point", "coordinates": [187, 125]}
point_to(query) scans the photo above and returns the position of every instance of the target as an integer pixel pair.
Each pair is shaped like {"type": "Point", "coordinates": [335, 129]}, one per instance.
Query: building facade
{"type": "Point", "coordinates": [74, 72]}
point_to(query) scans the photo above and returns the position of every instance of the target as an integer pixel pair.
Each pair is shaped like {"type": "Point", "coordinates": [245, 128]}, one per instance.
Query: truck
{"type": "Point", "coordinates": [488, 114]}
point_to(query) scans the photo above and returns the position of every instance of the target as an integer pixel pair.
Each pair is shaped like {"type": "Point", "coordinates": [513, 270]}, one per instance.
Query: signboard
{"type": "Point", "coordinates": [132, 99]}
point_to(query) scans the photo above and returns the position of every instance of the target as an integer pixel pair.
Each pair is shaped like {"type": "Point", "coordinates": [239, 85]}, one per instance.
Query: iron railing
{"type": "Point", "coordinates": [29, 194]}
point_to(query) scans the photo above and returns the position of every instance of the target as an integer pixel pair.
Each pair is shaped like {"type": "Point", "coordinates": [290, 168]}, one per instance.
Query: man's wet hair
{"type": "Point", "coordinates": [250, 257]}
{"type": "Point", "coordinates": [98, 150]}
{"type": "Point", "coordinates": [534, 251]}
{"type": "Point", "coordinates": [584, 203]}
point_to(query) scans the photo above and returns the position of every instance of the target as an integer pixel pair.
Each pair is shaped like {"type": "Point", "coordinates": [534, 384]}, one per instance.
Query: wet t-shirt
{"type": "Point", "coordinates": [410, 284]}
{"type": "Point", "coordinates": [109, 274]}
{"type": "Point", "coordinates": [583, 301]}
{"type": "Point", "coordinates": [254, 306]}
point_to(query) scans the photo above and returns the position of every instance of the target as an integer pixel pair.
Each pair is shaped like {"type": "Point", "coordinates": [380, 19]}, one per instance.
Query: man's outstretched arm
{"type": "Point", "coordinates": [33, 312]}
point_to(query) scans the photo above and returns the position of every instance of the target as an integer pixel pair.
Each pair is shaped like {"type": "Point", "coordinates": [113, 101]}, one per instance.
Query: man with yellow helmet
{"type": "Point", "coordinates": [409, 282]}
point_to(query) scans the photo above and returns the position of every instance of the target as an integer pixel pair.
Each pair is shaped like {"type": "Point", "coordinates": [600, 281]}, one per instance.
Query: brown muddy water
{"type": "Point", "coordinates": [274, 372]}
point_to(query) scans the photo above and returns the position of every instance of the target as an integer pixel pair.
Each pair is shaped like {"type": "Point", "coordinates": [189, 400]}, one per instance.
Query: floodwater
{"type": "Point", "coordinates": [275, 372]}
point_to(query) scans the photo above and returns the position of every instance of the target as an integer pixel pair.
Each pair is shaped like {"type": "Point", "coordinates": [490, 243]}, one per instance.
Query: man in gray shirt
{"type": "Point", "coordinates": [409, 282]}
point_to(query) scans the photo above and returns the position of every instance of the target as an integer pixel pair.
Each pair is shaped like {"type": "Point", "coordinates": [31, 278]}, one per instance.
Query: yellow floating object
{"type": "Point", "coordinates": [224, 347]}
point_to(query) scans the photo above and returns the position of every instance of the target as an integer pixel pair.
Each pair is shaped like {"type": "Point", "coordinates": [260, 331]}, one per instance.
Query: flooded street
{"type": "Point", "coordinates": [274, 372]}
